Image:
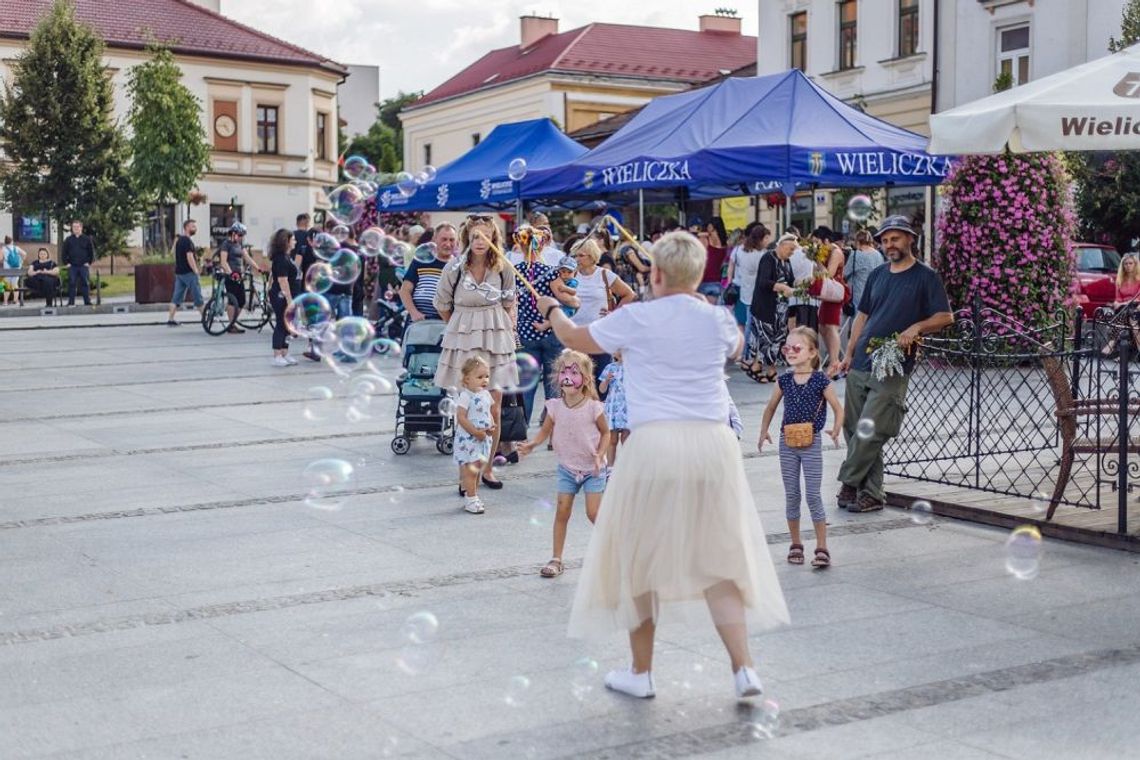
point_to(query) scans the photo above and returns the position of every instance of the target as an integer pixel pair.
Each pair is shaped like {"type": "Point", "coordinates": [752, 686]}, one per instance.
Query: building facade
{"type": "Point", "coordinates": [1027, 39]}
{"type": "Point", "coordinates": [269, 110]}
{"type": "Point", "coordinates": [576, 78]}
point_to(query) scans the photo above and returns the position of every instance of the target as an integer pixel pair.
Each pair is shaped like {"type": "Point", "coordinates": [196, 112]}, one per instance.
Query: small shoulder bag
{"type": "Point", "coordinates": [800, 435]}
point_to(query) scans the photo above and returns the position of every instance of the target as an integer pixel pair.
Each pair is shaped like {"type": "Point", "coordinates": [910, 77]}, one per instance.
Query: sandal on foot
{"type": "Point", "coordinates": [796, 554]}
{"type": "Point", "coordinates": [822, 559]}
{"type": "Point", "coordinates": [552, 569]}
{"type": "Point", "coordinates": [771, 377]}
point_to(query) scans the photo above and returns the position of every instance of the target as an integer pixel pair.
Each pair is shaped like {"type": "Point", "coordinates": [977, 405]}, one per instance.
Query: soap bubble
{"type": "Point", "coordinates": [422, 178]}
{"type": "Point", "coordinates": [346, 204]}
{"type": "Point", "coordinates": [345, 265]}
{"type": "Point", "coordinates": [1023, 552]}
{"type": "Point", "coordinates": [518, 689]}
{"type": "Point", "coordinates": [406, 184]}
{"type": "Point", "coordinates": [318, 401]}
{"type": "Point", "coordinates": [865, 428]}
{"type": "Point", "coordinates": [584, 677]}
{"type": "Point", "coordinates": [325, 245]}
{"type": "Point", "coordinates": [340, 232]}
{"type": "Point", "coordinates": [447, 406]}
{"type": "Point", "coordinates": [353, 336]}
{"type": "Point", "coordinates": [356, 167]}
{"type": "Point", "coordinates": [764, 719]}
{"type": "Point", "coordinates": [429, 171]}
{"type": "Point", "coordinates": [324, 479]}
{"type": "Point", "coordinates": [425, 254]}
{"type": "Point", "coordinates": [420, 628]}
{"type": "Point", "coordinates": [396, 494]}
{"type": "Point", "coordinates": [921, 513]}
{"type": "Point", "coordinates": [398, 251]}
{"type": "Point", "coordinates": [517, 169]}
{"type": "Point", "coordinates": [860, 208]}
{"type": "Point", "coordinates": [372, 242]}
{"type": "Point", "coordinates": [542, 514]}
{"type": "Point", "coordinates": [309, 315]}
{"type": "Point", "coordinates": [319, 278]}
{"type": "Point", "coordinates": [415, 658]}
{"type": "Point", "coordinates": [386, 347]}
{"type": "Point", "coordinates": [530, 373]}
{"type": "Point", "coordinates": [1040, 502]}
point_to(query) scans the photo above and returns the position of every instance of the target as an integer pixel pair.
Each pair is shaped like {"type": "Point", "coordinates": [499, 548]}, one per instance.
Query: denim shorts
{"type": "Point", "coordinates": [568, 483]}
{"type": "Point", "coordinates": [187, 283]}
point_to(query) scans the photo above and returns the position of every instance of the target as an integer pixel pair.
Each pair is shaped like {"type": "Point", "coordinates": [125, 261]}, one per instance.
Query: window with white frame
{"type": "Point", "coordinates": [908, 28]}
{"type": "Point", "coordinates": [797, 43]}
{"type": "Point", "coordinates": [1013, 53]}
{"type": "Point", "coordinates": [848, 33]}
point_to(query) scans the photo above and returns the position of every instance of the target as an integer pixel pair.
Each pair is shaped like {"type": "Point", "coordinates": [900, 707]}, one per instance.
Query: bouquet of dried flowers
{"type": "Point", "coordinates": [887, 356]}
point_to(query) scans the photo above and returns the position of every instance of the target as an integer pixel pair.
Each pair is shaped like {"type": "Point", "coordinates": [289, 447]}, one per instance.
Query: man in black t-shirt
{"type": "Point", "coordinates": [904, 298]}
{"type": "Point", "coordinates": [303, 254]}
{"type": "Point", "coordinates": [79, 255]}
{"type": "Point", "coordinates": [185, 271]}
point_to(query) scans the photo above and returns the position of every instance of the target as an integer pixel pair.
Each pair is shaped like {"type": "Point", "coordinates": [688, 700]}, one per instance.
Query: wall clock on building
{"type": "Point", "coordinates": [225, 125]}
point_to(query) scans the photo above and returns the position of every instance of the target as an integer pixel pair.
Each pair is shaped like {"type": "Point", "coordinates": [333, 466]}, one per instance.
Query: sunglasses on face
{"type": "Point", "coordinates": [792, 349]}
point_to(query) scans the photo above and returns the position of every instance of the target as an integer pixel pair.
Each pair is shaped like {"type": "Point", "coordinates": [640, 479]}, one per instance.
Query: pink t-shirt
{"type": "Point", "coordinates": [1125, 291]}
{"type": "Point", "coordinates": [576, 435]}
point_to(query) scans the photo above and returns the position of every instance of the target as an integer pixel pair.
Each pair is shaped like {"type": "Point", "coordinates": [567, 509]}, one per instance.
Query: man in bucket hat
{"type": "Point", "coordinates": [902, 300]}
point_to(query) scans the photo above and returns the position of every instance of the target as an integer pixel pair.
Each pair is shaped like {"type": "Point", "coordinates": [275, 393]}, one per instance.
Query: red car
{"type": "Point", "coordinates": [1096, 276]}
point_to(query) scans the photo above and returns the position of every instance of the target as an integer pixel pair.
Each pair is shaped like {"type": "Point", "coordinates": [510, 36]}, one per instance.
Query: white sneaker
{"type": "Point", "coordinates": [748, 683]}
{"type": "Point", "coordinates": [473, 505]}
{"type": "Point", "coordinates": [290, 360]}
{"type": "Point", "coordinates": [279, 361]}
{"type": "Point", "coordinates": [638, 685]}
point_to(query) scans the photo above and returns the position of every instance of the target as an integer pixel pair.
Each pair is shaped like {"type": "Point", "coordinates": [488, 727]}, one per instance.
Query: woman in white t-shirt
{"type": "Point", "coordinates": [678, 526]}
{"type": "Point", "coordinates": [599, 291]}
{"type": "Point", "coordinates": [742, 269]}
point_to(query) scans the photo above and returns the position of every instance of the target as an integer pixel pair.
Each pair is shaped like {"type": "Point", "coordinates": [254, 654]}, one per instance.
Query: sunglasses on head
{"type": "Point", "coordinates": [480, 218]}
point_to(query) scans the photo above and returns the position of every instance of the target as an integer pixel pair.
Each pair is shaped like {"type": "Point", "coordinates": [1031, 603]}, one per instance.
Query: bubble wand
{"type": "Point", "coordinates": [625, 233]}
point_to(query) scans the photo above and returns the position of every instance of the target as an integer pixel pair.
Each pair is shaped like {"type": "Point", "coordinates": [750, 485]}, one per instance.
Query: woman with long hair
{"type": "Point", "coordinates": [599, 292]}
{"type": "Point", "coordinates": [743, 266]}
{"type": "Point", "coordinates": [286, 284]}
{"type": "Point", "coordinates": [831, 312]}
{"type": "Point", "coordinates": [677, 527]}
{"type": "Point", "coordinates": [1127, 290]}
{"type": "Point", "coordinates": [476, 297]}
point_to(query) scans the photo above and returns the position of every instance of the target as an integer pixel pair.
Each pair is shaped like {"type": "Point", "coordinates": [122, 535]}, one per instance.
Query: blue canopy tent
{"type": "Point", "coordinates": [739, 135]}
{"type": "Point", "coordinates": [478, 179]}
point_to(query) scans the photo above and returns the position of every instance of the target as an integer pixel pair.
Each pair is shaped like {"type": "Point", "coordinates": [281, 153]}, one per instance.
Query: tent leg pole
{"type": "Point", "coordinates": [641, 214]}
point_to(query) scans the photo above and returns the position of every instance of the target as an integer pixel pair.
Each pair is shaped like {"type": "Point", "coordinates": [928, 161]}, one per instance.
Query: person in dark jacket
{"type": "Point", "coordinates": [769, 307]}
{"type": "Point", "coordinates": [78, 255]}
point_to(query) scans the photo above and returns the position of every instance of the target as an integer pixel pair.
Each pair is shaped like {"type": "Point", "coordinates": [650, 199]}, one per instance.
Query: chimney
{"type": "Point", "coordinates": [534, 28]}
{"type": "Point", "coordinates": [720, 23]}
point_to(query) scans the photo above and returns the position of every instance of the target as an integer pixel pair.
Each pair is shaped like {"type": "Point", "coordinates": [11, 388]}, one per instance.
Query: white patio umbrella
{"type": "Point", "coordinates": [1094, 106]}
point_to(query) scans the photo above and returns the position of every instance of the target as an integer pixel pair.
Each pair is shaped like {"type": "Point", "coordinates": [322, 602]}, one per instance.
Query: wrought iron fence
{"type": "Point", "coordinates": [1045, 413]}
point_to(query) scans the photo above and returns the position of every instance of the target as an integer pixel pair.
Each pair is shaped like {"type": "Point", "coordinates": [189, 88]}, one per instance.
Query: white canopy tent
{"type": "Point", "coordinates": [1094, 106]}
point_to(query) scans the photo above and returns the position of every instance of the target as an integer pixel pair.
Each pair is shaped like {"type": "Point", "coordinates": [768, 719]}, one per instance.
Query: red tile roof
{"type": "Point", "coordinates": [187, 28]}
{"type": "Point", "coordinates": [617, 50]}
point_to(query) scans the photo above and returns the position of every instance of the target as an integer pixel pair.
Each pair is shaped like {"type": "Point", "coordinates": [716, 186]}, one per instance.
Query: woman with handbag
{"type": "Point", "coordinates": [801, 449]}
{"type": "Point", "coordinates": [769, 309]}
{"type": "Point", "coordinates": [831, 311]}
{"type": "Point", "coordinates": [476, 297]}
{"type": "Point", "coordinates": [600, 291]}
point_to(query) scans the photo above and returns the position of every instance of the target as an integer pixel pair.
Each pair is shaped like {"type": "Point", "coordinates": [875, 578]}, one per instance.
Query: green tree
{"type": "Point", "coordinates": [1107, 195]}
{"type": "Point", "coordinates": [65, 155]}
{"type": "Point", "coordinates": [168, 141]}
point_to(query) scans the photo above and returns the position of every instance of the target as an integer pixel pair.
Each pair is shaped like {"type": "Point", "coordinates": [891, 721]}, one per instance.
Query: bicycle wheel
{"type": "Point", "coordinates": [256, 314]}
{"type": "Point", "coordinates": [216, 317]}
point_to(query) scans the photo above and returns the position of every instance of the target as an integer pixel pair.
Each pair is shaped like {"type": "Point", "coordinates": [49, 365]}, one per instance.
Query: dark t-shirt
{"type": "Point", "coordinates": [894, 302]}
{"type": "Point", "coordinates": [283, 266]}
{"type": "Point", "coordinates": [804, 403]}
{"type": "Point", "coordinates": [302, 248]}
{"type": "Point", "coordinates": [233, 253]}
{"type": "Point", "coordinates": [183, 249]}
{"type": "Point", "coordinates": [78, 250]}
{"type": "Point", "coordinates": [43, 266]}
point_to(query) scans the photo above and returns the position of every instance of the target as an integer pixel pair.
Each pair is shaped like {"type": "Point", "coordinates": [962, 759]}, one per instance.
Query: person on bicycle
{"type": "Point", "coordinates": [233, 258]}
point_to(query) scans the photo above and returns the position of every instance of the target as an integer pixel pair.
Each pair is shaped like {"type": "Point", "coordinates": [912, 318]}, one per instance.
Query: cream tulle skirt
{"type": "Point", "coordinates": [677, 520]}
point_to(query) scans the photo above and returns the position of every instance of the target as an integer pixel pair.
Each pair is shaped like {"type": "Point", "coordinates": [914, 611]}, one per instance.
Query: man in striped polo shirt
{"type": "Point", "coordinates": [418, 289]}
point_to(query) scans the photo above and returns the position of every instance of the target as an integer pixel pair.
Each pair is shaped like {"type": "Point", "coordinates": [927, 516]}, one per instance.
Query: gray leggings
{"type": "Point", "coordinates": [810, 460]}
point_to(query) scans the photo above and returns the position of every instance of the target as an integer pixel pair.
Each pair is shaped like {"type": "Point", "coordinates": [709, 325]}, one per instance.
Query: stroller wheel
{"type": "Point", "coordinates": [401, 444]}
{"type": "Point", "coordinates": [445, 445]}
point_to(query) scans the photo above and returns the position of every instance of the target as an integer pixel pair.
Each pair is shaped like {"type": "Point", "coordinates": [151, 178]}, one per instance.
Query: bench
{"type": "Point", "coordinates": [1070, 412]}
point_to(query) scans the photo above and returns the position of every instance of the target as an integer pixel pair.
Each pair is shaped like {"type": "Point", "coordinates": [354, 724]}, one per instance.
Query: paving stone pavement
{"type": "Point", "coordinates": [168, 593]}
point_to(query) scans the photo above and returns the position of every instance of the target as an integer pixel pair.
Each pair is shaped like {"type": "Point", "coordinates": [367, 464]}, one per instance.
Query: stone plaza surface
{"type": "Point", "coordinates": [167, 593]}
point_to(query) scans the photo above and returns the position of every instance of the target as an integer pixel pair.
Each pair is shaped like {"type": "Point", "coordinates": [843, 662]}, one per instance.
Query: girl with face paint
{"type": "Point", "coordinates": [576, 423]}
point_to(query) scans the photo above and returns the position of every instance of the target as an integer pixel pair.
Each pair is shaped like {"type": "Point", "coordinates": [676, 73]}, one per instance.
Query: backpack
{"type": "Point", "coordinates": [12, 259]}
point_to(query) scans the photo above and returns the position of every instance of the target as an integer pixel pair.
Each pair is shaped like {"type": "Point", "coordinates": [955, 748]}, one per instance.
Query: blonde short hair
{"type": "Point", "coordinates": [680, 258]}
{"type": "Point", "coordinates": [588, 246]}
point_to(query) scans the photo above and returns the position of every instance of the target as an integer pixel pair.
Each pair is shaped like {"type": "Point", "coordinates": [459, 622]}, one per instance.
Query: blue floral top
{"type": "Point", "coordinates": [616, 413]}
{"type": "Point", "coordinates": [467, 448]}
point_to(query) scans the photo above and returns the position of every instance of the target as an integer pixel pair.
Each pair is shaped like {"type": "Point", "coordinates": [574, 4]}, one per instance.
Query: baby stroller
{"type": "Point", "coordinates": [418, 407]}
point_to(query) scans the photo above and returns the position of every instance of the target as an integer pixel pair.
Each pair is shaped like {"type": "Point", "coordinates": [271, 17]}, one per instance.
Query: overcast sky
{"type": "Point", "coordinates": [420, 43]}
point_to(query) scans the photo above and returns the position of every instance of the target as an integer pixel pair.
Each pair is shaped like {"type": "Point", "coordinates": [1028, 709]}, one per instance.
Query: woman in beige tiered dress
{"type": "Point", "coordinates": [476, 297]}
